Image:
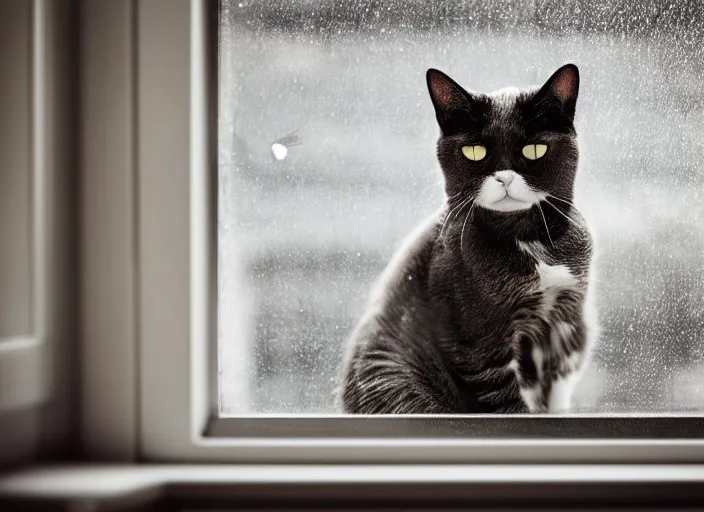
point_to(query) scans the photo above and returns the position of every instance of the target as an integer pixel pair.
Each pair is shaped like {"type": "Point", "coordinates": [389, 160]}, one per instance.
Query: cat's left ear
{"type": "Point", "coordinates": [453, 105]}
{"type": "Point", "coordinates": [563, 86]}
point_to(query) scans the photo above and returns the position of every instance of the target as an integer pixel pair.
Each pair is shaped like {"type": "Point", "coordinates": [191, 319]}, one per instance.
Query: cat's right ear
{"type": "Point", "coordinates": [452, 103]}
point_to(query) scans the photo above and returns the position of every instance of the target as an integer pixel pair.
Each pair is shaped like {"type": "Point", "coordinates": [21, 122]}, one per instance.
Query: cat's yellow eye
{"type": "Point", "coordinates": [474, 153]}
{"type": "Point", "coordinates": [534, 151]}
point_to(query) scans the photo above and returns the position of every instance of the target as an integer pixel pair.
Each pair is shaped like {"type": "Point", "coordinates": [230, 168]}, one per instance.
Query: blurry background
{"type": "Point", "coordinates": [326, 161]}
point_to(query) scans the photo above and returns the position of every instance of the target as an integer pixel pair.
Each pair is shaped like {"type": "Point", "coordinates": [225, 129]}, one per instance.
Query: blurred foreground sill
{"type": "Point", "coordinates": [173, 487]}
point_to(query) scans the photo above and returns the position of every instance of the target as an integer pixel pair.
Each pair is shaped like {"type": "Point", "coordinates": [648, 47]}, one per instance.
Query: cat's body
{"type": "Point", "coordinates": [486, 307]}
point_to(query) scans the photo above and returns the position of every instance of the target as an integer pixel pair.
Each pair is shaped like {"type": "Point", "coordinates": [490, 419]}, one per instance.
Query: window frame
{"type": "Point", "coordinates": [176, 162]}
{"type": "Point", "coordinates": [37, 363]}
{"type": "Point", "coordinates": [24, 357]}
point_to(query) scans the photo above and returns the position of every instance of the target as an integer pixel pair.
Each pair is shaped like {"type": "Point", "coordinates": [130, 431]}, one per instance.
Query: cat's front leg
{"type": "Point", "coordinates": [568, 346]}
{"type": "Point", "coordinates": [528, 366]}
{"type": "Point", "coordinates": [548, 367]}
{"type": "Point", "coordinates": [561, 387]}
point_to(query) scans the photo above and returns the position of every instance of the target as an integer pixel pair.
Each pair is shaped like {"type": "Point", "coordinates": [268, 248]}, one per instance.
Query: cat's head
{"type": "Point", "coordinates": [510, 149]}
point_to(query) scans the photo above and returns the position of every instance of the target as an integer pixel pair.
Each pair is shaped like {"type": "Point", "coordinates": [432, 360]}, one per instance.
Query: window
{"type": "Point", "coordinates": [261, 224]}
{"type": "Point", "coordinates": [327, 160]}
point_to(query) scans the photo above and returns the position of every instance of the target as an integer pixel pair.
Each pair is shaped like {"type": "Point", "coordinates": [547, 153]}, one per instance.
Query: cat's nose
{"type": "Point", "coordinates": [505, 177]}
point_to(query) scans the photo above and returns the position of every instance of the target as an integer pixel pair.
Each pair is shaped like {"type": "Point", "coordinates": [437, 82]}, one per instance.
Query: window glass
{"type": "Point", "coordinates": [327, 160]}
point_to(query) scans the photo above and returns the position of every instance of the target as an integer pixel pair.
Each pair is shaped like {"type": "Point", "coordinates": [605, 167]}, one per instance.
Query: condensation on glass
{"type": "Point", "coordinates": [326, 161]}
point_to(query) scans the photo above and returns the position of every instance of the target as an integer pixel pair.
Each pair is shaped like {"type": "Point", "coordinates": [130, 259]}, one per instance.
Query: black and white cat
{"type": "Point", "coordinates": [486, 308]}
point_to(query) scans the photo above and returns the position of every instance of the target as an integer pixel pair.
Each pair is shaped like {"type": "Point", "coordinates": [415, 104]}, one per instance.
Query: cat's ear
{"type": "Point", "coordinates": [453, 105]}
{"type": "Point", "coordinates": [563, 87]}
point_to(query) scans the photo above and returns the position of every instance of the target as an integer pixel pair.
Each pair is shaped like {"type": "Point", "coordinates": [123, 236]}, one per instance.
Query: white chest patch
{"type": "Point", "coordinates": [553, 278]}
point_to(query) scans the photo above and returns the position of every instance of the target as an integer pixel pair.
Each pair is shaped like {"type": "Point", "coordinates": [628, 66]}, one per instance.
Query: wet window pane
{"type": "Point", "coordinates": [327, 160]}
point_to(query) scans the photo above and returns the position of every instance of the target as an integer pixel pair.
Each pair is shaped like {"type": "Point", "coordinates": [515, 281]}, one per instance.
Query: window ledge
{"type": "Point", "coordinates": [97, 487]}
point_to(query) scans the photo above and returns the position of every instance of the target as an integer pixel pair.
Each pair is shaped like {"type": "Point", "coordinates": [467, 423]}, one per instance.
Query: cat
{"type": "Point", "coordinates": [486, 308]}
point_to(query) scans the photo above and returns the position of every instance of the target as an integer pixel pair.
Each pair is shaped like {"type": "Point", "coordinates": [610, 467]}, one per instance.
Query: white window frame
{"type": "Point", "coordinates": [176, 168]}
{"type": "Point", "coordinates": [35, 364]}
{"type": "Point", "coordinates": [23, 382]}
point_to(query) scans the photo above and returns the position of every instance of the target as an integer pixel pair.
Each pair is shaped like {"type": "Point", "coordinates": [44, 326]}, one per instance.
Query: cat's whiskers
{"type": "Point", "coordinates": [466, 202]}
{"type": "Point", "coordinates": [562, 200]}
{"type": "Point", "coordinates": [469, 213]}
{"type": "Point", "coordinates": [540, 209]}
{"type": "Point", "coordinates": [561, 212]}
{"type": "Point", "coordinates": [462, 204]}
{"type": "Point", "coordinates": [447, 218]}
{"type": "Point", "coordinates": [455, 196]}
{"type": "Point", "coordinates": [455, 210]}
